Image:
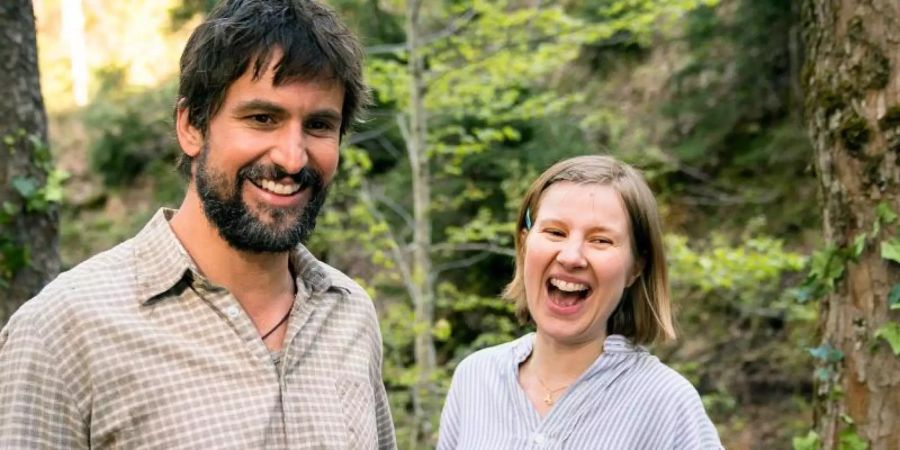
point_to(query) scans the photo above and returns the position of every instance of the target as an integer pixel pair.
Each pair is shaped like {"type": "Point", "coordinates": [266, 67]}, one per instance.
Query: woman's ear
{"type": "Point", "coordinates": [189, 138]}
{"type": "Point", "coordinates": [636, 269]}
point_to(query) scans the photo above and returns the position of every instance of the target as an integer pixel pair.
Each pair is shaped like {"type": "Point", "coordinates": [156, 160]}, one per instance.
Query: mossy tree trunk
{"type": "Point", "coordinates": [28, 233]}
{"type": "Point", "coordinates": [852, 87]}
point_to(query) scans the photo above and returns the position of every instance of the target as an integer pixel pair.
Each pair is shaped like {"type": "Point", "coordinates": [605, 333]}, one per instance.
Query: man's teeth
{"type": "Point", "coordinates": [278, 188]}
{"type": "Point", "coordinates": [567, 286]}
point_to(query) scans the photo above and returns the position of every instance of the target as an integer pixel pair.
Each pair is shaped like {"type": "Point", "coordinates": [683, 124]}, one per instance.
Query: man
{"type": "Point", "coordinates": [213, 327]}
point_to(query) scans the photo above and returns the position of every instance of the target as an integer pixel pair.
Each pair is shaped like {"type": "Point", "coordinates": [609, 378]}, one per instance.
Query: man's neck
{"type": "Point", "coordinates": [257, 280]}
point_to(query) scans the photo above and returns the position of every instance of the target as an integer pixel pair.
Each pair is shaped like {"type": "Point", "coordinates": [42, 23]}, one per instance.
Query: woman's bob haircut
{"type": "Point", "coordinates": [644, 313]}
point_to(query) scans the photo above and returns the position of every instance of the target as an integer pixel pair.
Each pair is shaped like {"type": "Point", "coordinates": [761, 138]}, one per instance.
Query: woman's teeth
{"type": "Point", "coordinates": [566, 286]}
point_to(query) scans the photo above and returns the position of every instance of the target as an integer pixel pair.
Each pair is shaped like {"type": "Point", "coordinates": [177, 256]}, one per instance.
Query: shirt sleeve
{"type": "Point", "coordinates": [386, 438]}
{"type": "Point", "coordinates": [695, 430]}
{"type": "Point", "coordinates": [448, 433]}
{"type": "Point", "coordinates": [37, 410]}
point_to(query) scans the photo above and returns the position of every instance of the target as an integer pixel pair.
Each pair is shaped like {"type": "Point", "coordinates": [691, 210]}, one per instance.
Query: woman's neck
{"type": "Point", "coordinates": [557, 363]}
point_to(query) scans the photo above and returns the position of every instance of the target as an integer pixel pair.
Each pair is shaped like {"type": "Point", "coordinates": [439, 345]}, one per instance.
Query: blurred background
{"type": "Point", "coordinates": [703, 95]}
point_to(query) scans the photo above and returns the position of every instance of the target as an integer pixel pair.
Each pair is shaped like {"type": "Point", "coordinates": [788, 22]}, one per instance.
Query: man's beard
{"type": "Point", "coordinates": [242, 228]}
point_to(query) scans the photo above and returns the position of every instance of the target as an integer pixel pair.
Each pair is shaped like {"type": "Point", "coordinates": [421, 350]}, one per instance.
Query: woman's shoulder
{"type": "Point", "coordinates": [495, 357]}
{"type": "Point", "coordinates": [662, 385]}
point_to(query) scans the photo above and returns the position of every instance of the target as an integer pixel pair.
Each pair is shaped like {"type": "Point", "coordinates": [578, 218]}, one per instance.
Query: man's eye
{"type": "Point", "coordinates": [262, 119]}
{"type": "Point", "coordinates": [320, 125]}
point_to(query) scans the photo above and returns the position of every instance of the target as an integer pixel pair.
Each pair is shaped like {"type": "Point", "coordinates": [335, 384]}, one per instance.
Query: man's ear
{"type": "Point", "coordinates": [189, 138]}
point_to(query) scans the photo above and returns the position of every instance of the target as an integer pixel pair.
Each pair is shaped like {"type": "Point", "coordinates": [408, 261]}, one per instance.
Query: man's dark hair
{"type": "Point", "coordinates": [315, 44]}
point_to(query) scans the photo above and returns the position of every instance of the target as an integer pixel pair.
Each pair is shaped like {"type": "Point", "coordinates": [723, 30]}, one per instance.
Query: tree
{"type": "Point", "coordinates": [853, 116]}
{"type": "Point", "coordinates": [29, 186]}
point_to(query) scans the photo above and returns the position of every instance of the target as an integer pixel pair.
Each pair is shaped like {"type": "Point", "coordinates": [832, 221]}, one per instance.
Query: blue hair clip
{"type": "Point", "coordinates": [528, 219]}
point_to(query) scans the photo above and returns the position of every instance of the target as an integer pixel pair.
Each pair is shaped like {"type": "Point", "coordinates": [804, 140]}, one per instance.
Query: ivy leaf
{"type": "Point", "coordinates": [890, 332]}
{"type": "Point", "coordinates": [884, 213]}
{"type": "Point", "coordinates": [26, 187]}
{"type": "Point", "coordinates": [859, 244]}
{"type": "Point", "coordinates": [827, 353]}
{"type": "Point", "coordinates": [894, 297]}
{"type": "Point", "coordinates": [809, 442]}
{"type": "Point", "coordinates": [890, 250]}
{"type": "Point", "coordinates": [851, 441]}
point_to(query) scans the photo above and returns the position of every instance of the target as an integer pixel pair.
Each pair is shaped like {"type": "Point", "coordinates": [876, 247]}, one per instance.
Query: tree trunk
{"type": "Point", "coordinates": [423, 297]}
{"type": "Point", "coordinates": [28, 229]}
{"type": "Point", "coordinates": [853, 113]}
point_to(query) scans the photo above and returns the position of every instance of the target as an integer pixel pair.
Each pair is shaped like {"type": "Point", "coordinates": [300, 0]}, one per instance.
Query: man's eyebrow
{"type": "Point", "coordinates": [258, 105]}
{"type": "Point", "coordinates": [327, 114]}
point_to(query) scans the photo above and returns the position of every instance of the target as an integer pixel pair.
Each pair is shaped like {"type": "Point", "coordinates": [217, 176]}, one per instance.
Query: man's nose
{"type": "Point", "coordinates": [290, 153]}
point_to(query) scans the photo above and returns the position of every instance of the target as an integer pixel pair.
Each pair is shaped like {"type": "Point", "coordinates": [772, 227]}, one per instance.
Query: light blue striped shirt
{"type": "Point", "coordinates": [627, 399]}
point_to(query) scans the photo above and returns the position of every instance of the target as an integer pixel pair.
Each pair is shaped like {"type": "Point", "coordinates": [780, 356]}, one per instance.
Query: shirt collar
{"type": "Point", "coordinates": [161, 261]}
{"type": "Point", "coordinates": [614, 343]}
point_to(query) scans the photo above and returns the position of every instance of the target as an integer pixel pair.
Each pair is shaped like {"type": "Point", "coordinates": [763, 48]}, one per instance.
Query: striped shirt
{"type": "Point", "coordinates": [627, 399]}
{"type": "Point", "coordinates": [134, 348]}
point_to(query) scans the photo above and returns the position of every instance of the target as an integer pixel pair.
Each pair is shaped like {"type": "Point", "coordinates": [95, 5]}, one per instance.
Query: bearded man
{"type": "Point", "coordinates": [214, 327]}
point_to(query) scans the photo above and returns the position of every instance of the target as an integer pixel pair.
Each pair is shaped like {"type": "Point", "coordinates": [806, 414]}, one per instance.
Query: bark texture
{"type": "Point", "coordinates": [22, 121]}
{"type": "Point", "coordinates": [853, 113]}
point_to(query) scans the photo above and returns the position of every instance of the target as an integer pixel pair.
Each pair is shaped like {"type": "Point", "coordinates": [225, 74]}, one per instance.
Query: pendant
{"type": "Point", "coordinates": [548, 400]}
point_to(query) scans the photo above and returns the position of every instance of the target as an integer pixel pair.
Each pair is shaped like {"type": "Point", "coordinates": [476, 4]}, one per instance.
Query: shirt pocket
{"type": "Point", "coordinates": [358, 406]}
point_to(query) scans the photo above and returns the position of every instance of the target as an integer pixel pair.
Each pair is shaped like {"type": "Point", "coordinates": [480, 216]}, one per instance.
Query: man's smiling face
{"type": "Point", "coordinates": [268, 156]}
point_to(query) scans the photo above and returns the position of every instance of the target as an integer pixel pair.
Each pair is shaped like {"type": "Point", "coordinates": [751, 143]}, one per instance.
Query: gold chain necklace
{"type": "Point", "coordinates": [548, 400]}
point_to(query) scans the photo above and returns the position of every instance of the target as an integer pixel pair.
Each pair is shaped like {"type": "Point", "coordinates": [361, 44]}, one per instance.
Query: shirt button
{"type": "Point", "coordinates": [539, 439]}
{"type": "Point", "coordinates": [232, 311]}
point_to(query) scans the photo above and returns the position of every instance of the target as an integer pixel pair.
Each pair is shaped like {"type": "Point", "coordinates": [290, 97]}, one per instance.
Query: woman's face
{"type": "Point", "coordinates": [578, 261]}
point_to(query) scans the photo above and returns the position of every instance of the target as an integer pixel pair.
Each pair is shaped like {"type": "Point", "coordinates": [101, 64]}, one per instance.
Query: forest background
{"type": "Point", "coordinates": [703, 95]}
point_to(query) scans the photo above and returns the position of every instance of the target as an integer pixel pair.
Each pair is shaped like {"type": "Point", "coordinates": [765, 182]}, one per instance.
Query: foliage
{"type": "Point", "coordinates": [37, 193]}
{"type": "Point", "coordinates": [135, 129]}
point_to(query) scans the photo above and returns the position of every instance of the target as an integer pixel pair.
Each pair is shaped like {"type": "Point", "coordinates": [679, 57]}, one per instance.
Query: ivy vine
{"type": "Point", "coordinates": [35, 197]}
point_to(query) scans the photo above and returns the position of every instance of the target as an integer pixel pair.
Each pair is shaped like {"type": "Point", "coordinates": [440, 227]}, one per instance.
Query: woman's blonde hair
{"type": "Point", "coordinates": [644, 313]}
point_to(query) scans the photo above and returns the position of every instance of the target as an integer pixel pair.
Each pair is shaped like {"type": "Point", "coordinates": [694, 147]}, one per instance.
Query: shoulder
{"type": "Point", "coordinates": [490, 359]}
{"type": "Point", "coordinates": [89, 289]}
{"type": "Point", "coordinates": [659, 382]}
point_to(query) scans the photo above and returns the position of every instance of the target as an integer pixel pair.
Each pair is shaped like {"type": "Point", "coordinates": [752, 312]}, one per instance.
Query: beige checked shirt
{"type": "Point", "coordinates": [134, 349]}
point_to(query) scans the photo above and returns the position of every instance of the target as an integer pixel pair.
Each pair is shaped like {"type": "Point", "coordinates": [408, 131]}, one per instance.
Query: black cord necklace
{"type": "Point", "coordinates": [278, 325]}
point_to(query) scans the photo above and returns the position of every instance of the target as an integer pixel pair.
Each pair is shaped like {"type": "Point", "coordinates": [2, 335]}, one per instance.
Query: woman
{"type": "Point", "coordinates": [591, 276]}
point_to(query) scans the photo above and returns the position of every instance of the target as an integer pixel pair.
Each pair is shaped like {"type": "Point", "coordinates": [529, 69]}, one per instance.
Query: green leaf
{"type": "Point", "coordinates": [827, 266]}
{"type": "Point", "coordinates": [890, 332]}
{"type": "Point", "coordinates": [26, 187]}
{"type": "Point", "coordinates": [884, 213]}
{"type": "Point", "coordinates": [890, 250]}
{"type": "Point", "coordinates": [894, 297]}
{"type": "Point", "coordinates": [849, 440]}
{"type": "Point", "coordinates": [827, 353]}
{"type": "Point", "coordinates": [859, 244]}
{"type": "Point", "coordinates": [809, 442]}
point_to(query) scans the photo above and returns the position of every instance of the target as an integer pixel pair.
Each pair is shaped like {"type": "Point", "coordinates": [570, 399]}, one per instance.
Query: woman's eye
{"type": "Point", "coordinates": [601, 241]}
{"type": "Point", "coordinates": [555, 232]}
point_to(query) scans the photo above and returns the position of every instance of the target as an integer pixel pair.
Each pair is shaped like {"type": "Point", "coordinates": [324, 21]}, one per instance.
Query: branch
{"type": "Point", "coordinates": [454, 27]}
{"type": "Point", "coordinates": [474, 246]}
{"type": "Point", "coordinates": [395, 252]}
{"type": "Point", "coordinates": [396, 208]}
{"type": "Point", "coordinates": [356, 138]}
{"type": "Point", "coordinates": [461, 263]}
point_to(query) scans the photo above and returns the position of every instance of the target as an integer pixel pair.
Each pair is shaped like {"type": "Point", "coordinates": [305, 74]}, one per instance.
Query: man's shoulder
{"type": "Point", "coordinates": [343, 281]}
{"type": "Point", "coordinates": [89, 286]}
